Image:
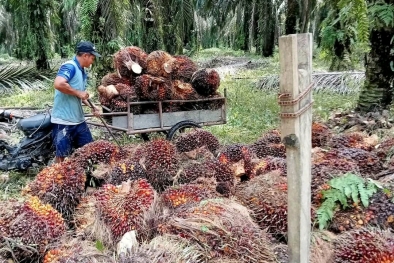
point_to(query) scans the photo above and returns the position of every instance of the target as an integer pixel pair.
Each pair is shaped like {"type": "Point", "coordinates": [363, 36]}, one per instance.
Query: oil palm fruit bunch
{"type": "Point", "coordinates": [195, 139]}
{"type": "Point", "coordinates": [85, 215]}
{"type": "Point", "coordinates": [160, 162]}
{"type": "Point", "coordinates": [77, 251]}
{"type": "Point", "coordinates": [114, 79]}
{"type": "Point", "coordinates": [121, 207]}
{"type": "Point", "coordinates": [100, 151]}
{"type": "Point", "coordinates": [364, 245]}
{"type": "Point", "coordinates": [240, 158]}
{"type": "Point", "coordinates": [177, 196]}
{"type": "Point", "coordinates": [7, 214]}
{"type": "Point", "coordinates": [183, 91]}
{"type": "Point", "coordinates": [61, 185]}
{"type": "Point", "coordinates": [125, 170]}
{"type": "Point", "coordinates": [385, 149]}
{"type": "Point", "coordinates": [206, 81]}
{"type": "Point", "coordinates": [350, 218]}
{"type": "Point", "coordinates": [130, 61]}
{"type": "Point", "coordinates": [126, 92]}
{"type": "Point", "coordinates": [380, 211]}
{"type": "Point", "coordinates": [351, 140]}
{"type": "Point", "coordinates": [368, 162]}
{"type": "Point", "coordinates": [162, 249]}
{"type": "Point", "coordinates": [195, 170]}
{"type": "Point", "coordinates": [269, 145]}
{"type": "Point", "coordinates": [321, 134]}
{"type": "Point", "coordinates": [195, 156]}
{"type": "Point", "coordinates": [152, 88]}
{"type": "Point", "coordinates": [266, 196]}
{"type": "Point", "coordinates": [269, 164]}
{"type": "Point", "coordinates": [33, 227]}
{"type": "Point", "coordinates": [223, 174]}
{"type": "Point", "coordinates": [326, 168]}
{"type": "Point", "coordinates": [159, 64]}
{"type": "Point", "coordinates": [183, 68]}
{"type": "Point", "coordinates": [224, 228]}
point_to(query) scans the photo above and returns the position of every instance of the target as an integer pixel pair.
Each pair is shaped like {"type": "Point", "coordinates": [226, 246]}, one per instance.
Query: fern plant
{"type": "Point", "coordinates": [344, 188]}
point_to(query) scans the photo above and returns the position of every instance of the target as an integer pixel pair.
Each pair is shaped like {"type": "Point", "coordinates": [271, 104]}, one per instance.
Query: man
{"type": "Point", "coordinates": [69, 127]}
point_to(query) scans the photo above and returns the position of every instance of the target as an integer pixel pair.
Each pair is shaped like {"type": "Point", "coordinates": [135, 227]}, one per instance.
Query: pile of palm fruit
{"type": "Point", "coordinates": [195, 200]}
{"type": "Point", "coordinates": [158, 76]}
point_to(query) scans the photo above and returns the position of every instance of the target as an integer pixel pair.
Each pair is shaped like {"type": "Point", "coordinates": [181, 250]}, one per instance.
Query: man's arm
{"type": "Point", "coordinates": [61, 84]}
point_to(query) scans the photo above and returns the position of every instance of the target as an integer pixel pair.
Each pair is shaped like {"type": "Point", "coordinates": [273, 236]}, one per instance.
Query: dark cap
{"type": "Point", "coordinates": [87, 47]}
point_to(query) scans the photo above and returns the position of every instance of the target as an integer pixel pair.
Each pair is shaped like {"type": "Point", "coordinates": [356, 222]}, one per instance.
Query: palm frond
{"type": "Point", "coordinates": [21, 77]}
{"type": "Point", "coordinates": [335, 82]}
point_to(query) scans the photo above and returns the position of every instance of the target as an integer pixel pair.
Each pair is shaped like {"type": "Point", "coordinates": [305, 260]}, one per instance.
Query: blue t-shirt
{"type": "Point", "coordinates": [67, 109]}
{"type": "Point", "coordinates": [67, 71]}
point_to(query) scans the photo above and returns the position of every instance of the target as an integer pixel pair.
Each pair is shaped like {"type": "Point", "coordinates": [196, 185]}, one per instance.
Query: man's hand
{"type": "Point", "coordinates": [83, 95]}
{"type": "Point", "coordinates": [96, 111]}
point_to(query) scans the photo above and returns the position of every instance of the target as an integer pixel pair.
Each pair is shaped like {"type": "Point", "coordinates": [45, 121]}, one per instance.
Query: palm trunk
{"type": "Point", "coordinates": [251, 27]}
{"type": "Point", "coordinates": [376, 93]}
{"type": "Point", "coordinates": [292, 14]}
{"type": "Point", "coordinates": [269, 30]}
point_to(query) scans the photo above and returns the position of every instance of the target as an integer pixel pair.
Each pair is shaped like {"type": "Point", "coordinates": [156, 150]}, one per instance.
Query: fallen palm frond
{"type": "Point", "coordinates": [340, 82]}
{"type": "Point", "coordinates": [22, 77]}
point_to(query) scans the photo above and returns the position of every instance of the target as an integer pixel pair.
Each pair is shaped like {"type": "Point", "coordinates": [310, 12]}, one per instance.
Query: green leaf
{"type": "Point", "coordinates": [204, 229]}
{"type": "Point", "coordinates": [100, 246]}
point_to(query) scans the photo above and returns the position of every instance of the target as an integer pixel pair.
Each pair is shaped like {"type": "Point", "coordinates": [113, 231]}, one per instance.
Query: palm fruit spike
{"type": "Point", "coordinates": [60, 185]}
{"type": "Point", "coordinates": [320, 134]}
{"type": "Point", "coordinates": [351, 140]}
{"type": "Point", "coordinates": [162, 249]}
{"type": "Point", "coordinates": [206, 81]}
{"type": "Point", "coordinates": [113, 79]}
{"type": "Point", "coordinates": [269, 164]}
{"type": "Point", "coordinates": [266, 196]}
{"type": "Point", "coordinates": [364, 245]}
{"type": "Point", "coordinates": [95, 152]}
{"type": "Point", "coordinates": [34, 226]}
{"type": "Point", "coordinates": [84, 215]}
{"type": "Point", "coordinates": [183, 68]}
{"type": "Point", "coordinates": [181, 195]}
{"type": "Point", "coordinates": [121, 208]}
{"type": "Point", "coordinates": [195, 139]}
{"type": "Point", "coordinates": [224, 228]}
{"type": "Point", "coordinates": [160, 162]}
{"type": "Point", "coordinates": [238, 155]}
{"type": "Point", "coordinates": [77, 251]}
{"type": "Point", "coordinates": [125, 170]}
{"type": "Point", "coordinates": [159, 64]}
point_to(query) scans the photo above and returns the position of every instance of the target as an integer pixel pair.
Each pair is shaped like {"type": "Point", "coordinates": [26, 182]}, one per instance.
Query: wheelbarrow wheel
{"type": "Point", "coordinates": [181, 127]}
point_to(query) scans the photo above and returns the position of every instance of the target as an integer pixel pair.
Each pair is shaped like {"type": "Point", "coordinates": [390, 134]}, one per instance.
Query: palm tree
{"type": "Point", "coordinates": [32, 37]}
{"type": "Point", "coordinates": [377, 91]}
